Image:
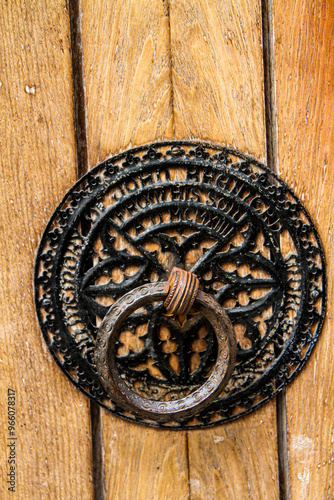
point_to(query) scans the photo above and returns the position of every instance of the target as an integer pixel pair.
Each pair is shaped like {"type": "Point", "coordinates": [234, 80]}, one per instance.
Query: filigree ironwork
{"type": "Point", "coordinates": [204, 208]}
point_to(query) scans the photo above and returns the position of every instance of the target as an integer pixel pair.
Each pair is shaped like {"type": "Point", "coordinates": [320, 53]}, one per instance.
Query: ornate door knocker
{"type": "Point", "coordinates": [180, 284]}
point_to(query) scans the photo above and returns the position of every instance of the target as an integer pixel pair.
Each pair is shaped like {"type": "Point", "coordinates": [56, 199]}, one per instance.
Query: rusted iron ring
{"type": "Point", "coordinates": [163, 411]}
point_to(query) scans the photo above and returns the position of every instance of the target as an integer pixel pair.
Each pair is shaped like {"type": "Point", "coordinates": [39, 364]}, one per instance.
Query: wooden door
{"type": "Point", "coordinates": [83, 80]}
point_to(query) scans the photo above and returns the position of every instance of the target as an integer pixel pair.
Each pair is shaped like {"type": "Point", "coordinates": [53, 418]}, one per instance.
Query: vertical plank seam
{"type": "Point", "coordinates": [170, 65]}
{"type": "Point", "coordinates": [80, 124]}
{"type": "Point", "coordinates": [282, 446]}
{"type": "Point", "coordinates": [79, 101]}
{"type": "Point", "coordinates": [188, 465]}
{"type": "Point", "coordinates": [269, 86]}
{"type": "Point", "coordinates": [97, 452]}
{"type": "Point", "coordinates": [272, 161]}
{"type": "Point", "coordinates": [173, 125]}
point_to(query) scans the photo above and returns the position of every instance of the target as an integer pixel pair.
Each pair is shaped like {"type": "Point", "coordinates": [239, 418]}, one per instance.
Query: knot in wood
{"type": "Point", "coordinates": [182, 291]}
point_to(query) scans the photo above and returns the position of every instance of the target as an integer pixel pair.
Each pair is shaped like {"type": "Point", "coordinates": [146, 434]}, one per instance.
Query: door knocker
{"type": "Point", "coordinates": [180, 284]}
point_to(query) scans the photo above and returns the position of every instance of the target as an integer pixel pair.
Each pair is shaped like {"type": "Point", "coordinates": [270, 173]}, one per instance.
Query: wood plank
{"type": "Point", "coordinates": [129, 102]}
{"type": "Point", "coordinates": [143, 463]}
{"type": "Point", "coordinates": [216, 50]}
{"type": "Point", "coordinates": [53, 449]}
{"type": "Point", "coordinates": [127, 74]}
{"type": "Point", "coordinates": [235, 460]}
{"type": "Point", "coordinates": [304, 67]}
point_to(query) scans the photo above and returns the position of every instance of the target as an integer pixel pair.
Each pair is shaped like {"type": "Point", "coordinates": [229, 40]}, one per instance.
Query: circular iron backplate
{"type": "Point", "coordinates": [209, 210]}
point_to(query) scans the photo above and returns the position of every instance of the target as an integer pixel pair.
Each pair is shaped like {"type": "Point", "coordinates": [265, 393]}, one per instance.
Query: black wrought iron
{"type": "Point", "coordinates": [204, 208]}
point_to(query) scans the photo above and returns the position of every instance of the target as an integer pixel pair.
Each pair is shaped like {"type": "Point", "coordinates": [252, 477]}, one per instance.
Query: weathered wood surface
{"type": "Point", "coordinates": [53, 449]}
{"type": "Point", "coordinates": [152, 71]}
{"type": "Point", "coordinates": [216, 53]}
{"type": "Point", "coordinates": [304, 68]}
{"type": "Point", "coordinates": [127, 74]}
{"type": "Point", "coordinates": [235, 460]}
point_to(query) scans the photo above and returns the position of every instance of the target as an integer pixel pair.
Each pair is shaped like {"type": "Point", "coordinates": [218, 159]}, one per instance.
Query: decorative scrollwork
{"type": "Point", "coordinates": [203, 208]}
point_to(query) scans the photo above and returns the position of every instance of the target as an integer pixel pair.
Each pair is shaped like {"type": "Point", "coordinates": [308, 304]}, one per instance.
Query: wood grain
{"type": "Point", "coordinates": [216, 51]}
{"type": "Point", "coordinates": [37, 166]}
{"type": "Point", "coordinates": [129, 102]}
{"type": "Point", "coordinates": [304, 67]}
{"type": "Point", "coordinates": [235, 460]}
{"type": "Point", "coordinates": [127, 74]}
{"type": "Point", "coordinates": [143, 463]}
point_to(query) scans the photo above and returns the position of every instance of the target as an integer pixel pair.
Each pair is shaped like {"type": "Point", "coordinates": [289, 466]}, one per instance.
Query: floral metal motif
{"type": "Point", "coordinates": [203, 208]}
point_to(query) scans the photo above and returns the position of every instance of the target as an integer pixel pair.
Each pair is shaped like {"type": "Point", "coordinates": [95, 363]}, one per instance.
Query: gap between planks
{"type": "Point", "coordinates": [272, 162]}
{"type": "Point", "coordinates": [80, 123]}
{"type": "Point", "coordinates": [167, 13]}
{"type": "Point", "coordinates": [80, 119]}
{"type": "Point", "coordinates": [173, 127]}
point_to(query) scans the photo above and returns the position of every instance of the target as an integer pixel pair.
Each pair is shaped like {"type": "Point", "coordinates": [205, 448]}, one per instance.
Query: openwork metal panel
{"type": "Point", "coordinates": [209, 210]}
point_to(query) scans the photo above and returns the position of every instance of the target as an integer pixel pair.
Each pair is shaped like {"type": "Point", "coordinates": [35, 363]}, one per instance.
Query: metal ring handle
{"type": "Point", "coordinates": [162, 411]}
